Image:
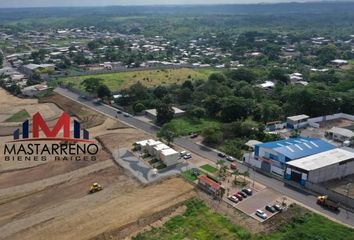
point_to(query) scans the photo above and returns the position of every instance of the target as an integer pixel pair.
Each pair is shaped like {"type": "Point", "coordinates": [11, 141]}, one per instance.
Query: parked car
{"type": "Point", "coordinates": [187, 156]}
{"type": "Point", "coordinates": [230, 159]}
{"type": "Point", "coordinates": [277, 207]}
{"type": "Point", "coordinates": [233, 166]}
{"type": "Point", "coordinates": [248, 191]}
{"type": "Point", "coordinates": [126, 115]}
{"type": "Point", "coordinates": [222, 155]}
{"type": "Point", "coordinates": [183, 153]}
{"type": "Point", "coordinates": [270, 208]}
{"type": "Point", "coordinates": [119, 111]}
{"type": "Point", "coordinates": [239, 197]}
{"type": "Point", "coordinates": [233, 199]}
{"type": "Point", "coordinates": [243, 194]}
{"type": "Point", "coordinates": [194, 135]}
{"type": "Point", "coordinates": [83, 97]}
{"type": "Point", "coordinates": [261, 214]}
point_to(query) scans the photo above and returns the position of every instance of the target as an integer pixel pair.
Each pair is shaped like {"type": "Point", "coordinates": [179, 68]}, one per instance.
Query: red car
{"type": "Point", "coordinates": [233, 166]}
{"type": "Point", "coordinates": [239, 197]}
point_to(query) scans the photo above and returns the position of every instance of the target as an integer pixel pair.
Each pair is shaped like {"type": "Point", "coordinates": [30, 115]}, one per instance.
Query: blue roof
{"type": "Point", "coordinates": [295, 148]}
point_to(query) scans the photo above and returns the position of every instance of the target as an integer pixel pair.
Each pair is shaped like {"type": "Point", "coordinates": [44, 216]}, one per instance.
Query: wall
{"type": "Point", "coordinates": [331, 172]}
{"type": "Point", "coordinates": [335, 196]}
{"type": "Point", "coordinates": [331, 117]}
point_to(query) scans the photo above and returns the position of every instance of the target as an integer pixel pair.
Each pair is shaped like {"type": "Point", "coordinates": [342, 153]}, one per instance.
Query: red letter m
{"type": "Point", "coordinates": [62, 123]}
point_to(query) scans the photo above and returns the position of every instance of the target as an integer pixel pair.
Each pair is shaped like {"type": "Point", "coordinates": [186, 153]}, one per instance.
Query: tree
{"type": "Point", "coordinates": [91, 84]}
{"type": "Point", "coordinates": [197, 113]}
{"type": "Point", "coordinates": [139, 107]}
{"type": "Point", "coordinates": [165, 114]}
{"type": "Point", "coordinates": [212, 136]}
{"type": "Point", "coordinates": [279, 74]}
{"type": "Point", "coordinates": [167, 133]}
{"type": "Point", "coordinates": [103, 92]}
{"type": "Point", "coordinates": [1, 59]}
{"type": "Point", "coordinates": [242, 74]}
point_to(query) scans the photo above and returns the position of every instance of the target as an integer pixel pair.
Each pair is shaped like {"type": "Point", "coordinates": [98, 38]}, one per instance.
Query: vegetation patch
{"type": "Point", "coordinates": [209, 168]}
{"type": "Point", "coordinates": [149, 78]}
{"type": "Point", "coordinates": [189, 175]}
{"type": "Point", "coordinates": [19, 116]}
{"type": "Point", "coordinates": [198, 222]}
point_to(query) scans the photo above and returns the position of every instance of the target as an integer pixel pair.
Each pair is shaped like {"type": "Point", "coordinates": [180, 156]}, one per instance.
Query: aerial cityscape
{"type": "Point", "coordinates": [177, 120]}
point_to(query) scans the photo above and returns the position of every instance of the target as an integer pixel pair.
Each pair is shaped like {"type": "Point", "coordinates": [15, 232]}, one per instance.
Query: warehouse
{"type": "Point", "coordinates": [272, 156]}
{"type": "Point", "coordinates": [332, 164]}
{"type": "Point", "coordinates": [339, 134]}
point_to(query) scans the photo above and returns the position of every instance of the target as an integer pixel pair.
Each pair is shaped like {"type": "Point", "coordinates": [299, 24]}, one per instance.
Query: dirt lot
{"type": "Point", "coordinates": [341, 186]}
{"type": "Point", "coordinates": [50, 200]}
{"type": "Point", "coordinates": [344, 123]}
{"type": "Point", "coordinates": [87, 117]}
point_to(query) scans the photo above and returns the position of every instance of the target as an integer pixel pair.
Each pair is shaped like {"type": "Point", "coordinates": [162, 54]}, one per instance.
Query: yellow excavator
{"type": "Point", "coordinates": [95, 187]}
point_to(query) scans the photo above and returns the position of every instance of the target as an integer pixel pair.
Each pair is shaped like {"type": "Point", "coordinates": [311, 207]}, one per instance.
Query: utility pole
{"type": "Point", "coordinates": [348, 189]}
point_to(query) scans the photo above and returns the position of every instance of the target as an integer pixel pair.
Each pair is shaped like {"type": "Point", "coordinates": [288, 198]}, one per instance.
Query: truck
{"type": "Point", "coordinates": [326, 202]}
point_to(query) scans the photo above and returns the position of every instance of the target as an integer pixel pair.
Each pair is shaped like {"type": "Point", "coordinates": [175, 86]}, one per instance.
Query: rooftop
{"type": "Point", "coordinates": [322, 159]}
{"type": "Point", "coordinates": [298, 117]}
{"type": "Point", "coordinates": [342, 131]}
{"type": "Point", "coordinates": [295, 148]}
{"type": "Point", "coordinates": [210, 182]}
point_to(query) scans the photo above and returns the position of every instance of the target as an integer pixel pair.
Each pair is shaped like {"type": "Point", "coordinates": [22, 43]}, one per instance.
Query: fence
{"type": "Point", "coordinates": [330, 117]}
{"type": "Point", "coordinates": [335, 196]}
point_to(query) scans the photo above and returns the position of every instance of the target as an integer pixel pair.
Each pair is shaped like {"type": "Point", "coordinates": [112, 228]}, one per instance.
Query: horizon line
{"type": "Point", "coordinates": [182, 4]}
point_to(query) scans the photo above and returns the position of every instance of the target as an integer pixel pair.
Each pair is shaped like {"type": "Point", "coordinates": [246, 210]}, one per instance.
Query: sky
{"type": "Point", "coordinates": [60, 3]}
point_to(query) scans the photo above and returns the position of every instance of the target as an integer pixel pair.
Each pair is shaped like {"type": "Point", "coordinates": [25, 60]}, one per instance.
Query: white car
{"type": "Point", "coordinates": [187, 156]}
{"type": "Point", "coordinates": [261, 214]}
{"type": "Point", "coordinates": [233, 199]}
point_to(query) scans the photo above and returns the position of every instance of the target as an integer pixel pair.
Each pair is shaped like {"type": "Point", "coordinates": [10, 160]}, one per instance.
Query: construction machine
{"type": "Point", "coordinates": [95, 187]}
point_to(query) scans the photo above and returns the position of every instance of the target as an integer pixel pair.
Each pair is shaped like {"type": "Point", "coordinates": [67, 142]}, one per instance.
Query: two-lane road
{"type": "Point", "coordinates": [302, 197]}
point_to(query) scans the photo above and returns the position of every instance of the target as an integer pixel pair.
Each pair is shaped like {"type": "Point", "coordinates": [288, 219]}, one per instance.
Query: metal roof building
{"type": "Point", "coordinates": [294, 148]}
{"type": "Point", "coordinates": [272, 156]}
{"type": "Point", "coordinates": [335, 163]}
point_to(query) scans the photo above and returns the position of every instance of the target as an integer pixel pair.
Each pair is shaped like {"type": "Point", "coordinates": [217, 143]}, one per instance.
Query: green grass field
{"type": "Point", "coordinates": [149, 78]}
{"type": "Point", "coordinates": [198, 222]}
{"type": "Point", "coordinates": [209, 168]}
{"type": "Point", "coordinates": [201, 223]}
{"type": "Point", "coordinates": [19, 116]}
{"type": "Point", "coordinates": [184, 125]}
{"type": "Point", "coordinates": [189, 175]}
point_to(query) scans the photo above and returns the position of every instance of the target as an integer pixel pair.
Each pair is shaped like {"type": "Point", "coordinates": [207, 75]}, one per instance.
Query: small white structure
{"type": "Point", "coordinates": [169, 156]}
{"type": "Point", "coordinates": [150, 146]}
{"type": "Point", "coordinates": [298, 121]}
{"type": "Point", "coordinates": [328, 165]}
{"type": "Point", "coordinates": [267, 85]}
{"type": "Point", "coordinates": [156, 150]}
{"type": "Point", "coordinates": [152, 113]}
{"type": "Point", "coordinates": [339, 134]}
{"type": "Point", "coordinates": [339, 62]}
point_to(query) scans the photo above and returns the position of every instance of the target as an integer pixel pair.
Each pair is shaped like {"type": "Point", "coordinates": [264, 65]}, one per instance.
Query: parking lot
{"type": "Point", "coordinates": [258, 200]}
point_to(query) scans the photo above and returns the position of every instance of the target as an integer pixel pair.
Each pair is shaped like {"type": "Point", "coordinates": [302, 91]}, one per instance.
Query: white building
{"type": "Point", "coordinates": [325, 166]}
{"type": "Point", "coordinates": [152, 113]}
{"type": "Point", "coordinates": [156, 150]}
{"type": "Point", "coordinates": [298, 121]}
{"type": "Point", "coordinates": [339, 134]}
{"type": "Point", "coordinates": [169, 156]}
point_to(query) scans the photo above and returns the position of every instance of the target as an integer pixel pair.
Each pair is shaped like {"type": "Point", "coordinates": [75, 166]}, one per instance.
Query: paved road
{"type": "Point", "coordinates": [302, 197]}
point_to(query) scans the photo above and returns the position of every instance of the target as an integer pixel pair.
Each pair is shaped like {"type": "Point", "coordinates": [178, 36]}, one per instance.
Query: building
{"type": "Point", "coordinates": [297, 122]}
{"type": "Point", "coordinates": [156, 150]}
{"type": "Point", "coordinates": [339, 134]}
{"type": "Point", "coordinates": [332, 164]}
{"type": "Point", "coordinates": [209, 185]}
{"type": "Point", "coordinates": [271, 157]}
{"type": "Point", "coordinates": [169, 156]}
{"type": "Point", "coordinates": [29, 69]}
{"type": "Point", "coordinates": [152, 113]}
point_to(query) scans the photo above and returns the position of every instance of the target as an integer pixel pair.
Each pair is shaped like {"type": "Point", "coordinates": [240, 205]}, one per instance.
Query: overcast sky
{"type": "Point", "coordinates": [52, 3]}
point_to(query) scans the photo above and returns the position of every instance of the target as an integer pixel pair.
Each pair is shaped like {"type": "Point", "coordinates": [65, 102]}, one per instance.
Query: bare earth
{"type": "Point", "coordinates": [50, 200]}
